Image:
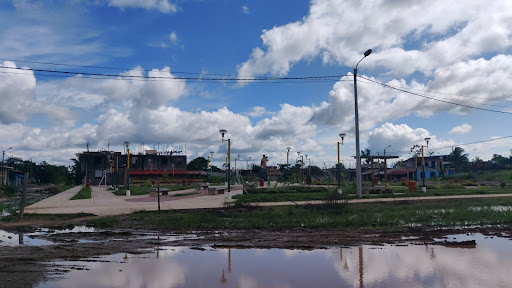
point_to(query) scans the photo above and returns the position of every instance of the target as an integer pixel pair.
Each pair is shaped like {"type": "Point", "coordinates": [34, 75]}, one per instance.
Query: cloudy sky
{"type": "Point", "coordinates": [169, 74]}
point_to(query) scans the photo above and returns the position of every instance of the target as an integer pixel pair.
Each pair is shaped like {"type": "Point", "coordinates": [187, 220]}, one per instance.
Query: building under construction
{"type": "Point", "coordinates": [111, 168]}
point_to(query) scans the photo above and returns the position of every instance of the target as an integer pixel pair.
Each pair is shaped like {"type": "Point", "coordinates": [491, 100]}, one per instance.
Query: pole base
{"type": "Point", "coordinates": [228, 196]}
{"type": "Point", "coordinates": [127, 192]}
{"type": "Point", "coordinates": [339, 191]}
{"type": "Point", "coordinates": [424, 189]}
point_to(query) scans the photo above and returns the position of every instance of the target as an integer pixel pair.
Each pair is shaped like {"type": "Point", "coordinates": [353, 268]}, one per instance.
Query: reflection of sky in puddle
{"type": "Point", "coordinates": [31, 239]}
{"type": "Point", "coordinates": [384, 266]}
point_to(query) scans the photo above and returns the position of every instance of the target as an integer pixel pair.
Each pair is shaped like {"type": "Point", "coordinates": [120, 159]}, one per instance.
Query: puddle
{"type": "Point", "coordinates": [487, 265]}
{"type": "Point", "coordinates": [36, 238]}
{"type": "Point", "coordinates": [12, 239]}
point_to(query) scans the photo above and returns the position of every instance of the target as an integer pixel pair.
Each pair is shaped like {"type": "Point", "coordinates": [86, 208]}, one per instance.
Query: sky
{"type": "Point", "coordinates": [169, 74]}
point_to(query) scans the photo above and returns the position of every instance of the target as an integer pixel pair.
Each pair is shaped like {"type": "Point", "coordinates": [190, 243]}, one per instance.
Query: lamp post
{"type": "Point", "coordinates": [288, 164]}
{"type": "Point", "coordinates": [358, 150]}
{"type": "Point", "coordinates": [424, 188]}
{"type": "Point", "coordinates": [208, 164]}
{"type": "Point", "coordinates": [338, 166]}
{"type": "Point", "coordinates": [127, 144]}
{"type": "Point", "coordinates": [3, 155]}
{"type": "Point", "coordinates": [386, 164]}
{"type": "Point", "coordinates": [250, 171]}
{"type": "Point", "coordinates": [222, 132]}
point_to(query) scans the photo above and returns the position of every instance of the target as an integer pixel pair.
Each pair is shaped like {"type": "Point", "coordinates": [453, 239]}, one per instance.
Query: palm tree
{"type": "Point", "coordinates": [458, 159]}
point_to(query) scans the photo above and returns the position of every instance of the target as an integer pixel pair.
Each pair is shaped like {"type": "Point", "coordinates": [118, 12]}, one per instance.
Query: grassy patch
{"type": "Point", "coordinates": [105, 222]}
{"type": "Point", "coordinates": [331, 216]}
{"type": "Point", "coordinates": [185, 194]}
{"type": "Point", "coordinates": [144, 190]}
{"type": "Point", "coordinates": [84, 193]}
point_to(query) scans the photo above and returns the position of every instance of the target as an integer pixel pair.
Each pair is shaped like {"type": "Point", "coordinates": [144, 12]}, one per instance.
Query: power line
{"type": "Point", "coordinates": [435, 99]}
{"type": "Point", "coordinates": [456, 145]}
{"type": "Point", "coordinates": [471, 102]}
{"type": "Point", "coordinates": [234, 79]}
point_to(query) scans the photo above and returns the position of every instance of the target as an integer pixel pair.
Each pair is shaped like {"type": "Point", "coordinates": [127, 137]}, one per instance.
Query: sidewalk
{"type": "Point", "coordinates": [105, 203]}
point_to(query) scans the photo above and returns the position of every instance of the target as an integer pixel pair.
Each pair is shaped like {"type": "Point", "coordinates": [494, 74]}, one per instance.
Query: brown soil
{"type": "Point", "coordinates": [25, 266]}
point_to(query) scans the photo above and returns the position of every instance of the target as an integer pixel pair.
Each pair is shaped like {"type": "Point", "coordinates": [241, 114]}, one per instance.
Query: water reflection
{"type": "Point", "coordinates": [486, 265]}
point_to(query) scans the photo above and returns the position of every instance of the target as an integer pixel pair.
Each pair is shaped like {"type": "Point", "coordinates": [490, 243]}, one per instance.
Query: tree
{"type": "Point", "coordinates": [500, 161]}
{"type": "Point", "coordinates": [458, 159]}
{"type": "Point", "coordinates": [477, 159]}
{"type": "Point", "coordinates": [366, 152]}
{"type": "Point", "coordinates": [197, 164]}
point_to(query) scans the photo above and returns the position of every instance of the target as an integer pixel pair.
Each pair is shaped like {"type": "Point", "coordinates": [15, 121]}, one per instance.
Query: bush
{"type": "Point", "coordinates": [10, 191]}
{"type": "Point", "coordinates": [451, 186]}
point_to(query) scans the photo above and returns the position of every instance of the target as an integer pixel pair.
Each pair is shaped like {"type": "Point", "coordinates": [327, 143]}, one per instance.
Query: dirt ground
{"type": "Point", "coordinates": [25, 266]}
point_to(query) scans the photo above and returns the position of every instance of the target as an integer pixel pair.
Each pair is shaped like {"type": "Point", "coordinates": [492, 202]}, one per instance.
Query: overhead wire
{"type": "Point", "coordinates": [435, 99]}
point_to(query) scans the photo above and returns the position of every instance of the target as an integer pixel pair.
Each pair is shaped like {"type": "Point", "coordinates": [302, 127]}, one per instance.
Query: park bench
{"type": "Point", "coordinates": [216, 190]}
{"type": "Point", "coordinates": [201, 186]}
{"type": "Point", "coordinates": [153, 191]}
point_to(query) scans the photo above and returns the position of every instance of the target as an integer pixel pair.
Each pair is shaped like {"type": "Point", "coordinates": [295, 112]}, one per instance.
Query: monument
{"type": "Point", "coordinates": [263, 172]}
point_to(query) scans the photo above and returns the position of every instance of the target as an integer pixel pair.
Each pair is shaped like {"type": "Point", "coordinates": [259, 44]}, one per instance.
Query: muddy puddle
{"type": "Point", "coordinates": [466, 260]}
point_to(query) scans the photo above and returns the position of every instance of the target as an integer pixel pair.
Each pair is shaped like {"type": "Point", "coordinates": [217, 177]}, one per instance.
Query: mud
{"type": "Point", "coordinates": [25, 266]}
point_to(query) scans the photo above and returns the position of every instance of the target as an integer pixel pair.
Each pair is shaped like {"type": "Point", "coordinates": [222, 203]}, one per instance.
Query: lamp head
{"type": "Point", "coordinates": [298, 153]}
{"type": "Point", "coordinates": [427, 140]}
{"type": "Point", "coordinates": [288, 148]}
{"type": "Point", "coordinates": [342, 136]}
{"type": "Point", "coordinates": [211, 152]}
{"type": "Point", "coordinates": [222, 132]}
{"type": "Point", "coordinates": [126, 143]}
{"type": "Point", "coordinates": [368, 52]}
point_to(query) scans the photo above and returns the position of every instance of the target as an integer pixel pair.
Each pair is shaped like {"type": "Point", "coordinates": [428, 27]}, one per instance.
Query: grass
{"type": "Point", "coordinates": [143, 190]}
{"type": "Point", "coordinates": [84, 193]}
{"type": "Point", "coordinates": [184, 194]}
{"type": "Point", "coordinates": [339, 216]}
{"type": "Point", "coordinates": [302, 193]}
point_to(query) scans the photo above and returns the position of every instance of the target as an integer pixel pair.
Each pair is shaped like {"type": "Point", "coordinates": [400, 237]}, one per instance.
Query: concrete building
{"type": "Point", "coordinates": [109, 168]}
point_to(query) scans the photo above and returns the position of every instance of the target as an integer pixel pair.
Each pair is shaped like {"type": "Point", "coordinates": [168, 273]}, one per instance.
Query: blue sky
{"type": "Point", "coordinates": [457, 52]}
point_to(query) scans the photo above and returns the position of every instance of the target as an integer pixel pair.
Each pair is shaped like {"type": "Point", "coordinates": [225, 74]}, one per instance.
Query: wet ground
{"type": "Point", "coordinates": [43, 254]}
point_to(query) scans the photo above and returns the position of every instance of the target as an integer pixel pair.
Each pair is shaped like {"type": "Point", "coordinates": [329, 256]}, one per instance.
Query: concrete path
{"type": "Point", "coordinates": [104, 202]}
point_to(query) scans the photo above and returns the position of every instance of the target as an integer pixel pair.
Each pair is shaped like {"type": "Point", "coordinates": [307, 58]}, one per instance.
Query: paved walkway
{"type": "Point", "coordinates": [104, 202]}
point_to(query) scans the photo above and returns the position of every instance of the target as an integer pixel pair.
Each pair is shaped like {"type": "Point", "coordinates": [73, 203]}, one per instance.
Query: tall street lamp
{"type": "Point", "coordinates": [424, 188]}
{"type": "Point", "coordinates": [338, 166]}
{"type": "Point", "coordinates": [358, 150]}
{"type": "Point", "coordinates": [386, 164]}
{"type": "Point", "coordinates": [222, 132]}
{"type": "Point", "coordinates": [127, 143]}
{"type": "Point", "coordinates": [3, 155]}
{"type": "Point", "coordinates": [287, 164]}
{"type": "Point", "coordinates": [208, 164]}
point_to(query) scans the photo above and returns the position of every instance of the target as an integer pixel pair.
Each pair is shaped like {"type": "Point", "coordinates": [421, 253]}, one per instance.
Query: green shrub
{"type": "Point", "coordinates": [451, 186]}
{"type": "Point", "coordinates": [10, 191]}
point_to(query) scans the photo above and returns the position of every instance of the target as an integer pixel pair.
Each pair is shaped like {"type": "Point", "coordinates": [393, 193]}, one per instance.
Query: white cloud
{"type": "Point", "coordinates": [258, 111]}
{"type": "Point", "coordinates": [245, 9]}
{"type": "Point", "coordinates": [173, 38]}
{"type": "Point", "coordinates": [18, 99]}
{"type": "Point", "coordinates": [402, 138]}
{"type": "Point", "coordinates": [164, 6]}
{"type": "Point", "coordinates": [461, 129]}
{"type": "Point", "coordinates": [451, 32]}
